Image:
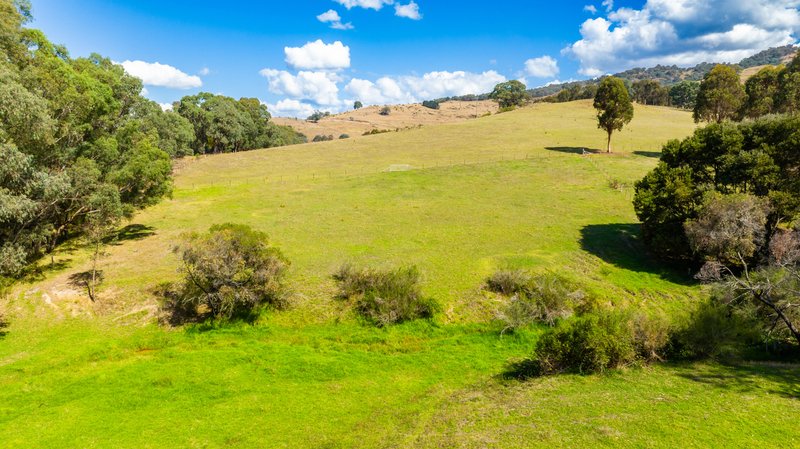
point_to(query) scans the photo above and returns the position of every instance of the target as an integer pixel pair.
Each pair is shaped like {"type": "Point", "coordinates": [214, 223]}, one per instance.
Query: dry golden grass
{"type": "Point", "coordinates": [356, 123]}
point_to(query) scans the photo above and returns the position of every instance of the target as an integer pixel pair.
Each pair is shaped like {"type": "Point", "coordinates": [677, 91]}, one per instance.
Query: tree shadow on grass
{"type": "Point", "coordinates": [781, 379]}
{"type": "Point", "coordinates": [574, 150]}
{"type": "Point", "coordinates": [131, 232]}
{"type": "Point", "coordinates": [620, 244]}
{"type": "Point", "coordinates": [653, 154]}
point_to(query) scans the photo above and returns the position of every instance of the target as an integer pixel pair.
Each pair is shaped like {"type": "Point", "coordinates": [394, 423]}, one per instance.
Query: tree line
{"type": "Point", "coordinates": [726, 200]}
{"type": "Point", "coordinates": [80, 148]}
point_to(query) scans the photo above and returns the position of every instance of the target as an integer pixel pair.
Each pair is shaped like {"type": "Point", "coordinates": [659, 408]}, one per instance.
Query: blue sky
{"type": "Point", "coordinates": [395, 51]}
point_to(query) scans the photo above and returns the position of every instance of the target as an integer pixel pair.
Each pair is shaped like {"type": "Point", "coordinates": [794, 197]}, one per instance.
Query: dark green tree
{"type": "Point", "coordinates": [510, 94]}
{"type": "Point", "coordinates": [762, 92]}
{"type": "Point", "coordinates": [684, 94]}
{"type": "Point", "coordinates": [357, 105]}
{"type": "Point", "coordinates": [721, 95]}
{"type": "Point", "coordinates": [614, 107]}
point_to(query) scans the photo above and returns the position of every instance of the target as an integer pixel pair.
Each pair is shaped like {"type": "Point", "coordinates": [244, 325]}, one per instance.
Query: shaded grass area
{"type": "Point", "coordinates": [343, 385]}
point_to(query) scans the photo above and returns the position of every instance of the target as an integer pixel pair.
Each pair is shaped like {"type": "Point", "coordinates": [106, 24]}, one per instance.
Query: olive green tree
{"type": "Point", "coordinates": [614, 107]}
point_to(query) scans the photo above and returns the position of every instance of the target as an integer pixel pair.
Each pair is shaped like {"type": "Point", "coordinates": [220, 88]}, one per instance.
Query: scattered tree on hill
{"type": "Point", "coordinates": [720, 97]}
{"type": "Point", "coordinates": [229, 272]}
{"type": "Point", "coordinates": [509, 94]}
{"type": "Point", "coordinates": [430, 104]}
{"type": "Point", "coordinates": [357, 105]}
{"type": "Point", "coordinates": [684, 94]}
{"type": "Point", "coordinates": [386, 110]}
{"type": "Point", "coordinates": [614, 107]}
{"type": "Point", "coordinates": [650, 92]}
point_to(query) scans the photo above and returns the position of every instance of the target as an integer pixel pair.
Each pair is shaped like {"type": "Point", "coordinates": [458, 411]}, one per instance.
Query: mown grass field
{"type": "Point", "coordinates": [457, 200]}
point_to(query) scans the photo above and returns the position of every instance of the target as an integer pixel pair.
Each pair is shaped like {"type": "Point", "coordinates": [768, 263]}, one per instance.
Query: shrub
{"type": "Point", "coordinates": [385, 297]}
{"type": "Point", "coordinates": [597, 342]}
{"type": "Point", "coordinates": [372, 132]}
{"type": "Point", "coordinates": [386, 110]}
{"type": "Point", "coordinates": [317, 116]}
{"type": "Point", "coordinates": [542, 298]}
{"type": "Point", "coordinates": [506, 109]}
{"type": "Point", "coordinates": [344, 136]}
{"type": "Point", "coordinates": [430, 104]}
{"type": "Point", "coordinates": [321, 138]}
{"type": "Point", "coordinates": [229, 272]}
{"type": "Point", "coordinates": [714, 331]}
{"type": "Point", "coordinates": [508, 282]}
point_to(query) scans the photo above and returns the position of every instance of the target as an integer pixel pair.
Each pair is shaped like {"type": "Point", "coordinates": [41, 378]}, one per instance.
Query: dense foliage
{"type": "Point", "coordinates": [597, 342]}
{"type": "Point", "coordinates": [229, 272]}
{"type": "Point", "coordinates": [77, 142]}
{"type": "Point", "coordinates": [650, 92]}
{"type": "Point", "coordinates": [758, 157]}
{"type": "Point", "coordinates": [222, 124]}
{"type": "Point", "coordinates": [720, 96]}
{"type": "Point", "coordinates": [684, 94]}
{"type": "Point", "coordinates": [430, 104]}
{"type": "Point", "coordinates": [509, 94]}
{"type": "Point", "coordinates": [385, 297]}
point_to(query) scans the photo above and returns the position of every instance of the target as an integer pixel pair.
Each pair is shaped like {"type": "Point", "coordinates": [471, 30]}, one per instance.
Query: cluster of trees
{"type": "Point", "coordinates": [774, 89]}
{"type": "Point", "coordinates": [727, 199]}
{"type": "Point", "coordinates": [430, 104]}
{"type": "Point", "coordinates": [222, 124]}
{"type": "Point", "coordinates": [80, 148]}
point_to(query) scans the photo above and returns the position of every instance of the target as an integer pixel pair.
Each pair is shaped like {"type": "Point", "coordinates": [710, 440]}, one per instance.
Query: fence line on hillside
{"type": "Point", "coordinates": [364, 172]}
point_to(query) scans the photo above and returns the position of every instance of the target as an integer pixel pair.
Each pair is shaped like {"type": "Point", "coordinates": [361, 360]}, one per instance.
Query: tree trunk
{"type": "Point", "coordinates": [608, 146]}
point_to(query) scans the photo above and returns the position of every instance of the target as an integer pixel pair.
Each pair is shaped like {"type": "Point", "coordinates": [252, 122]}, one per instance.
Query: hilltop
{"type": "Point", "coordinates": [673, 74]}
{"type": "Point", "coordinates": [357, 122]}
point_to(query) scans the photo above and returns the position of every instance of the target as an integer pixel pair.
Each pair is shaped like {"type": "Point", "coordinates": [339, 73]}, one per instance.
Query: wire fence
{"type": "Point", "coordinates": [592, 158]}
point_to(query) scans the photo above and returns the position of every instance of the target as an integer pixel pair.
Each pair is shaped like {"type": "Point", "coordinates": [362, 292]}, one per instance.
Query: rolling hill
{"type": "Point", "coordinates": [524, 189]}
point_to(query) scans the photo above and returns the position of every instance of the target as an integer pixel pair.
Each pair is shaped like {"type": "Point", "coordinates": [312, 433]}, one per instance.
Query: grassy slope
{"type": "Point", "coordinates": [312, 377]}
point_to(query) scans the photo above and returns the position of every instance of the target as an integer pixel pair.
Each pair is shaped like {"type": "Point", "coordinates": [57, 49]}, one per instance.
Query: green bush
{"type": "Point", "coordinates": [385, 297]}
{"type": "Point", "coordinates": [716, 331]}
{"type": "Point", "coordinates": [430, 104]}
{"type": "Point", "coordinates": [386, 110]}
{"type": "Point", "coordinates": [322, 138]}
{"type": "Point", "coordinates": [344, 136]}
{"type": "Point", "coordinates": [542, 298]}
{"type": "Point", "coordinates": [229, 272]}
{"type": "Point", "coordinates": [598, 342]}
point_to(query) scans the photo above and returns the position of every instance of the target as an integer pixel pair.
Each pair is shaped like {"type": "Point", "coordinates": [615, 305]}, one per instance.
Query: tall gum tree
{"type": "Point", "coordinates": [614, 107]}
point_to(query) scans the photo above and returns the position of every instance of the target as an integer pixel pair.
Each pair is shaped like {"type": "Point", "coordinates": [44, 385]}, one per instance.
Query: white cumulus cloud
{"type": "Point", "coordinates": [290, 108]}
{"type": "Point", "coordinates": [408, 89]}
{"type": "Point", "coordinates": [591, 9]}
{"type": "Point", "coordinates": [162, 75]}
{"type": "Point", "coordinates": [409, 11]}
{"type": "Point", "coordinates": [683, 32]}
{"type": "Point", "coordinates": [318, 55]}
{"type": "Point", "coordinates": [317, 87]}
{"type": "Point", "coordinates": [332, 17]}
{"type": "Point", "coordinates": [368, 4]}
{"type": "Point", "coordinates": [542, 67]}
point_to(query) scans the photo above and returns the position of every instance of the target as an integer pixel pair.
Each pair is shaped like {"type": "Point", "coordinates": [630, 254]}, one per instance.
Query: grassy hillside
{"type": "Point", "coordinates": [508, 190]}
{"type": "Point", "coordinates": [458, 200]}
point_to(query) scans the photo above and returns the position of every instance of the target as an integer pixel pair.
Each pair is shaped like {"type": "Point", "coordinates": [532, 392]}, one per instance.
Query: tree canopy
{"type": "Point", "coordinates": [509, 94]}
{"type": "Point", "coordinates": [720, 96]}
{"type": "Point", "coordinates": [614, 107]}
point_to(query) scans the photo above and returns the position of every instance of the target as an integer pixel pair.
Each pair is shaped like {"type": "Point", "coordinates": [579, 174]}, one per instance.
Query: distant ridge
{"type": "Point", "coordinates": [672, 74]}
